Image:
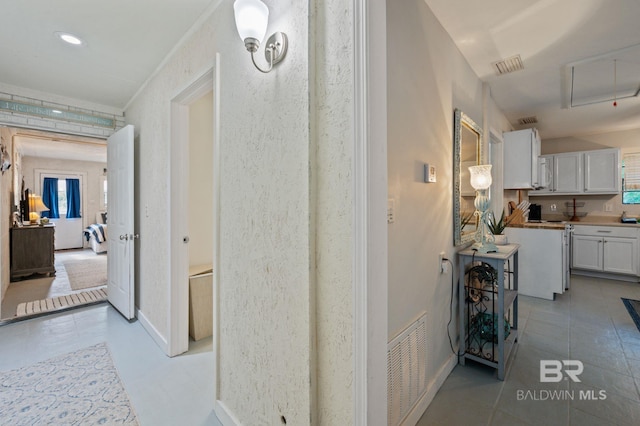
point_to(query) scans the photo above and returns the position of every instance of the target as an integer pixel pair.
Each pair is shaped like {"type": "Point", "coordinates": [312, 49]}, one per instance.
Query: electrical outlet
{"type": "Point", "coordinates": [391, 214]}
{"type": "Point", "coordinates": [608, 207]}
{"type": "Point", "coordinates": [553, 207]}
{"type": "Point", "coordinates": [441, 262]}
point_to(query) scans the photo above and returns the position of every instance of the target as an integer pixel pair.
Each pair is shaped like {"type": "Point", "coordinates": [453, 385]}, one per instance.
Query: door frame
{"type": "Point", "coordinates": [370, 247]}
{"type": "Point", "coordinates": [178, 294]}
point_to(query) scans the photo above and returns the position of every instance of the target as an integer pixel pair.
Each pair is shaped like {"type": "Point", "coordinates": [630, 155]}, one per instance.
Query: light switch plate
{"type": "Point", "coordinates": [429, 173]}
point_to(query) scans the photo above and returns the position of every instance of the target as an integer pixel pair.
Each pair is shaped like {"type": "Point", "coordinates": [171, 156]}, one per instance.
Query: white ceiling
{"type": "Point", "coordinates": [127, 40]}
{"type": "Point", "coordinates": [61, 147]}
{"type": "Point", "coordinates": [550, 35]}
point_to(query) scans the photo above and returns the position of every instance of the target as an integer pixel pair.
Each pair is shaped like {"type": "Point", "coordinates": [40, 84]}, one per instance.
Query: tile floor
{"type": "Point", "coordinates": [43, 287]}
{"type": "Point", "coordinates": [163, 390]}
{"type": "Point", "coordinates": [589, 323]}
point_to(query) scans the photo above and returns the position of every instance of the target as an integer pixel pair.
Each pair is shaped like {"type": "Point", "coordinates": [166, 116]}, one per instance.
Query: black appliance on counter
{"type": "Point", "coordinates": [535, 212]}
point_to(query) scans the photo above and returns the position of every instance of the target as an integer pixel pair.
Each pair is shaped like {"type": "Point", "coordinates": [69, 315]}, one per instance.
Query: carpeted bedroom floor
{"type": "Point", "coordinates": [42, 287]}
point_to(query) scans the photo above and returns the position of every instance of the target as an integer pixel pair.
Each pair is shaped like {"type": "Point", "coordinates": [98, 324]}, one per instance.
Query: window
{"type": "Point", "coordinates": [62, 197]}
{"type": "Point", "coordinates": [104, 193]}
{"type": "Point", "coordinates": [631, 178]}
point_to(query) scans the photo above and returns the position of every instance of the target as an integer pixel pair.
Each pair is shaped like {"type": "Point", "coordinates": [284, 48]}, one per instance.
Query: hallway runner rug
{"type": "Point", "coordinates": [79, 388]}
{"type": "Point", "coordinates": [86, 273]}
{"type": "Point", "coordinates": [61, 302]}
{"type": "Point", "coordinates": [633, 307]}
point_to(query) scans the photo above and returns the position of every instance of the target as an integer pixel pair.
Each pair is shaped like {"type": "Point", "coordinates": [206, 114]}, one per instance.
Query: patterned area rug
{"type": "Point", "coordinates": [61, 302]}
{"type": "Point", "coordinates": [633, 307]}
{"type": "Point", "coordinates": [79, 388]}
{"type": "Point", "coordinates": [87, 273]}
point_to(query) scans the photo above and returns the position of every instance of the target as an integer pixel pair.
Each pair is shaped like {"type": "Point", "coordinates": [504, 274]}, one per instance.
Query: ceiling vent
{"type": "Point", "coordinates": [528, 120]}
{"type": "Point", "coordinates": [508, 65]}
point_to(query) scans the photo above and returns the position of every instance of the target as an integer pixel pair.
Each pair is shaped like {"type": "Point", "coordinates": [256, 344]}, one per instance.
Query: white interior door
{"type": "Point", "coordinates": [121, 234]}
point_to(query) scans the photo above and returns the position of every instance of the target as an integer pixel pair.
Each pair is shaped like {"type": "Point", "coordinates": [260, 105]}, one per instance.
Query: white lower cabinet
{"type": "Point", "coordinates": [587, 252]}
{"type": "Point", "coordinates": [605, 249]}
{"type": "Point", "coordinates": [620, 255]}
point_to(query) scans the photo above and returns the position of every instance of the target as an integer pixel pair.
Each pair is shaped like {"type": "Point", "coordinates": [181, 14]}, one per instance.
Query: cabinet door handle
{"type": "Point", "coordinates": [604, 232]}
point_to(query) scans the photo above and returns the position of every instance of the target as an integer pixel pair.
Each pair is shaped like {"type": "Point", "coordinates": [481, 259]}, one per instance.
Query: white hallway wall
{"type": "Point", "coordinates": [425, 85]}
{"type": "Point", "coordinates": [200, 181]}
{"type": "Point", "coordinates": [285, 244]}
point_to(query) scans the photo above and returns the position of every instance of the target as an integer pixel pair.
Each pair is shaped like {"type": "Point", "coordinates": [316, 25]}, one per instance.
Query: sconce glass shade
{"type": "Point", "coordinates": [252, 17]}
{"type": "Point", "coordinates": [480, 176]}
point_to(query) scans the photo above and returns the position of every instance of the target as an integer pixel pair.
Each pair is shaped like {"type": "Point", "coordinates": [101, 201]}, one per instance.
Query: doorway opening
{"type": "Point", "coordinates": [193, 214]}
{"type": "Point", "coordinates": [54, 266]}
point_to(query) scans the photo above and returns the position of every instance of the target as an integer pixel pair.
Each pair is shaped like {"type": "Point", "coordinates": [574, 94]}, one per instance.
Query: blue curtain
{"type": "Point", "coordinates": [50, 197]}
{"type": "Point", "coordinates": [73, 198]}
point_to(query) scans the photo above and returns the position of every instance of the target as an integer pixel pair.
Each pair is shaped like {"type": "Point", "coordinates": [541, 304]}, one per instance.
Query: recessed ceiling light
{"type": "Point", "coordinates": [69, 38]}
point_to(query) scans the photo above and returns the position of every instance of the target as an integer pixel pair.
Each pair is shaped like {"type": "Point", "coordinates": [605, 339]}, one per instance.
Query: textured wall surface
{"type": "Point", "coordinates": [265, 283]}
{"type": "Point", "coordinates": [334, 209]}
{"type": "Point", "coordinates": [265, 288]}
{"type": "Point", "coordinates": [6, 192]}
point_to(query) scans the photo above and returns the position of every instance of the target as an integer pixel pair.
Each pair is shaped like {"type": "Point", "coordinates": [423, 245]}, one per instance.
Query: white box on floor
{"type": "Point", "coordinates": [200, 302]}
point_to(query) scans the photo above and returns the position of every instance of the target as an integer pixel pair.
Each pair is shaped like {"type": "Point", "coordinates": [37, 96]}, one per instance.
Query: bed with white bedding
{"type": "Point", "coordinates": [96, 233]}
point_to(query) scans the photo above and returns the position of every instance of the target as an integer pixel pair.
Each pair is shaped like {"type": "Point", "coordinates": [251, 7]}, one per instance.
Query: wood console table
{"type": "Point", "coordinates": [32, 250]}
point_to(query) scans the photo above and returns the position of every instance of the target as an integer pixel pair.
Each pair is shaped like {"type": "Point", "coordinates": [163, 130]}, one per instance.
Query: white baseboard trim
{"type": "Point", "coordinates": [153, 332]}
{"type": "Point", "coordinates": [433, 387]}
{"type": "Point", "coordinates": [226, 417]}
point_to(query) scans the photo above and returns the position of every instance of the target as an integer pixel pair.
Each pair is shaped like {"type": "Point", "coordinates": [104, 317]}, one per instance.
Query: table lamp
{"type": "Point", "coordinates": [36, 206]}
{"type": "Point", "coordinates": [481, 181]}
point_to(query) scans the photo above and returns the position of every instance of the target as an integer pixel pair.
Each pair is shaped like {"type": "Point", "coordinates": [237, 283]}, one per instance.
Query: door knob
{"type": "Point", "coordinates": [124, 237]}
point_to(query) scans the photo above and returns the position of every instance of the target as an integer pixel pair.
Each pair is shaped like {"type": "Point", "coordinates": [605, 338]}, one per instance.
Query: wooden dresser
{"type": "Point", "coordinates": [32, 250]}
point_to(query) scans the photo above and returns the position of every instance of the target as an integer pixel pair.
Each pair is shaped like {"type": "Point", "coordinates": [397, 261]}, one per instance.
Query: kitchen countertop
{"type": "Point", "coordinates": [561, 225]}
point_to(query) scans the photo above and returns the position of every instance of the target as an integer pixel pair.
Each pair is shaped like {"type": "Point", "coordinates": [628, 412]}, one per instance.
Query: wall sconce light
{"type": "Point", "coordinates": [252, 17]}
{"type": "Point", "coordinates": [5, 164]}
{"type": "Point", "coordinates": [481, 181]}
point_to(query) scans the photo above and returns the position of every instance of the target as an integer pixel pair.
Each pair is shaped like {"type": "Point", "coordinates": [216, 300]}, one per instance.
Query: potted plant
{"type": "Point", "coordinates": [496, 227]}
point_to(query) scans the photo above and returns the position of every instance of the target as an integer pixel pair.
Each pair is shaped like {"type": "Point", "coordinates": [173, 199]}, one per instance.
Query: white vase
{"type": "Point", "coordinates": [500, 240]}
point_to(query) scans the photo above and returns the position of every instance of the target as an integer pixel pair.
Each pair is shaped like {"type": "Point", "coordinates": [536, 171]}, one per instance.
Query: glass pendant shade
{"type": "Point", "coordinates": [480, 176]}
{"type": "Point", "coordinates": [252, 17]}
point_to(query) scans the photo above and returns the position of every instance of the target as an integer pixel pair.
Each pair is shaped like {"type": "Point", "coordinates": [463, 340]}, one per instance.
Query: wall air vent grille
{"type": "Point", "coordinates": [508, 65]}
{"type": "Point", "coordinates": [528, 120]}
{"type": "Point", "coordinates": [406, 370]}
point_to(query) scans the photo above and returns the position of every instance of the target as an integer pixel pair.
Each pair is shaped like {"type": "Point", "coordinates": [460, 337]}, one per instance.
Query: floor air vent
{"type": "Point", "coordinates": [406, 370]}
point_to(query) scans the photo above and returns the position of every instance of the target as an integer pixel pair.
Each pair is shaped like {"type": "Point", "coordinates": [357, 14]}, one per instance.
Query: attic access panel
{"type": "Point", "coordinates": [592, 80]}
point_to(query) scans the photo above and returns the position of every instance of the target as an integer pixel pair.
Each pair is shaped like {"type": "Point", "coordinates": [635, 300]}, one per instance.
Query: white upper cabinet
{"type": "Point", "coordinates": [602, 171]}
{"type": "Point", "coordinates": [521, 152]}
{"type": "Point", "coordinates": [584, 172]}
{"type": "Point", "coordinates": [567, 170]}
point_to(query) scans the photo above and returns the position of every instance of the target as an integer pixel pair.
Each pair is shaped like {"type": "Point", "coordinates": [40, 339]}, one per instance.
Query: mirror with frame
{"type": "Point", "coordinates": [467, 149]}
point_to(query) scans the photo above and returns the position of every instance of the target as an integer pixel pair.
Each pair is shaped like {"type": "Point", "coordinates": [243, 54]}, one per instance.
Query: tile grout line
{"type": "Point", "coordinates": [509, 367]}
